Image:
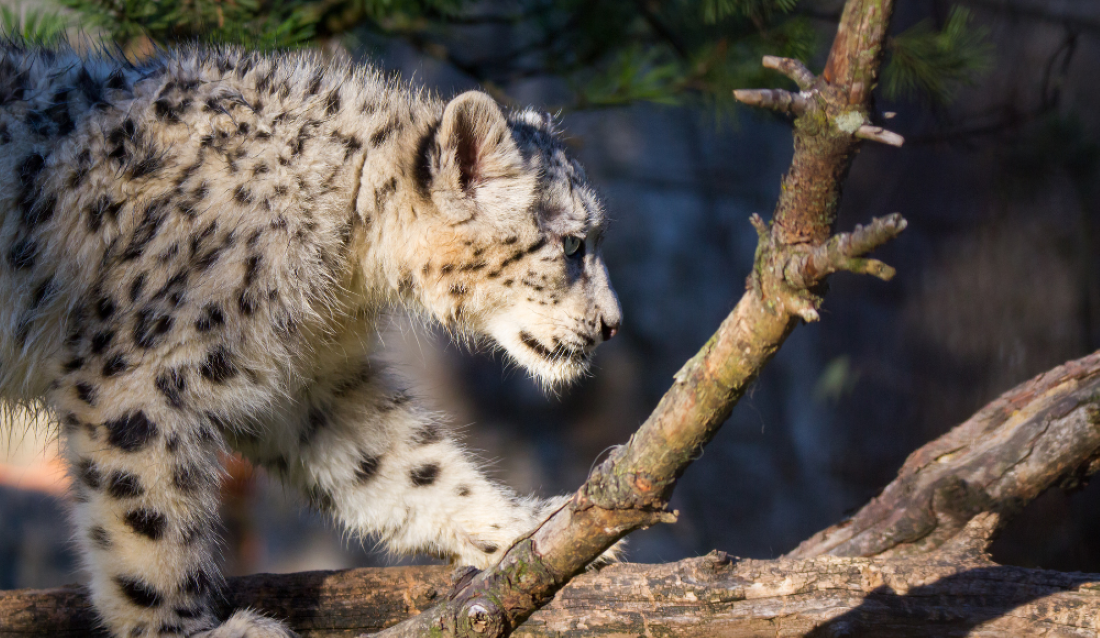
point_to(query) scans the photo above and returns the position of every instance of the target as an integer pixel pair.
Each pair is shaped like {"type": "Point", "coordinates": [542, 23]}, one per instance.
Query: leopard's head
{"type": "Point", "coordinates": [515, 239]}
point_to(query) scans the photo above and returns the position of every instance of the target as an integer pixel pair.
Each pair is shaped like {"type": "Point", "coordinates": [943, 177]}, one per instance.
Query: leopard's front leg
{"type": "Point", "coordinates": [366, 452]}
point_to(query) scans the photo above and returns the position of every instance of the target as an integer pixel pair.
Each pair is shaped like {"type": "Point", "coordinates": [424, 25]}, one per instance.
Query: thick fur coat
{"type": "Point", "coordinates": [195, 253]}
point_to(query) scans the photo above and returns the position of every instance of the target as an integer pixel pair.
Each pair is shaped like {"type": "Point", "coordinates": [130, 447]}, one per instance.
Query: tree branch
{"type": "Point", "coordinates": [846, 251]}
{"type": "Point", "coordinates": [1043, 433]}
{"type": "Point", "coordinates": [631, 488]}
{"type": "Point", "coordinates": [879, 134]}
{"type": "Point", "coordinates": [793, 69]}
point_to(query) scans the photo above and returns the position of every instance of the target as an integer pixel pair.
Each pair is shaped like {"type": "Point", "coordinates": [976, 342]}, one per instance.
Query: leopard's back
{"type": "Point", "coordinates": [141, 204]}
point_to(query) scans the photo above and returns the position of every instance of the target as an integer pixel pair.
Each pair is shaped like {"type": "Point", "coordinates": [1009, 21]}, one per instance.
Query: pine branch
{"type": "Point", "coordinates": [934, 64]}
{"type": "Point", "coordinates": [717, 10]}
{"type": "Point", "coordinates": [610, 53]}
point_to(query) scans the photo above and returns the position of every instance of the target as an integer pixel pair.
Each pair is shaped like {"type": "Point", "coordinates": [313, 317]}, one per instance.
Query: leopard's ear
{"type": "Point", "coordinates": [475, 155]}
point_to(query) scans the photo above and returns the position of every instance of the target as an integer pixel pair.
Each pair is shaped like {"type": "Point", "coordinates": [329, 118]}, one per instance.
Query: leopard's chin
{"type": "Point", "coordinates": [554, 375]}
{"type": "Point", "coordinates": [553, 364]}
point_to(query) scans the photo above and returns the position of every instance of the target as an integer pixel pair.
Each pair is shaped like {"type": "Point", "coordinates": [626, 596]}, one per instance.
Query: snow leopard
{"type": "Point", "coordinates": [196, 253]}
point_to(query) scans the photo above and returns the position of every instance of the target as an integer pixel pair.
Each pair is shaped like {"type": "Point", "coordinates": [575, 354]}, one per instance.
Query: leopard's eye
{"type": "Point", "coordinates": [572, 245]}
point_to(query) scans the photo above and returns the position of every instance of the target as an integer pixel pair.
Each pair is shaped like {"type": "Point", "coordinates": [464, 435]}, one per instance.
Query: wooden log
{"type": "Point", "coordinates": [1043, 433]}
{"type": "Point", "coordinates": [715, 595]}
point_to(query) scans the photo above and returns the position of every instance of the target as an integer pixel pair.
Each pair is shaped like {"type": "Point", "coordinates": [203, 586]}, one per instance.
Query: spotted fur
{"type": "Point", "coordinates": [194, 254]}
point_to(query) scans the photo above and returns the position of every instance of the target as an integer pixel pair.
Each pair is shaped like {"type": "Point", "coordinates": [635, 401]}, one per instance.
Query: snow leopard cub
{"type": "Point", "coordinates": [195, 252]}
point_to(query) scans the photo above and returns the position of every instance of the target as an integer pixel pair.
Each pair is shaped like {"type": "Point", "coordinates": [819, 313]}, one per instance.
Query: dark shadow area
{"type": "Point", "coordinates": [303, 590]}
{"type": "Point", "coordinates": [952, 606]}
{"type": "Point", "coordinates": [1046, 533]}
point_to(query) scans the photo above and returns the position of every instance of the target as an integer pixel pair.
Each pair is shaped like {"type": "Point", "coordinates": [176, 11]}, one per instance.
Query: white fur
{"type": "Point", "coordinates": [197, 253]}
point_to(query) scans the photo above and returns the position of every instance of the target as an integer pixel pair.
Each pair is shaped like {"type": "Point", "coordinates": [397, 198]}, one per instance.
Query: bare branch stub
{"type": "Point", "coordinates": [879, 134]}
{"type": "Point", "coordinates": [774, 99]}
{"type": "Point", "coordinates": [794, 69]}
{"type": "Point", "coordinates": [787, 276]}
{"type": "Point", "coordinates": [844, 252]}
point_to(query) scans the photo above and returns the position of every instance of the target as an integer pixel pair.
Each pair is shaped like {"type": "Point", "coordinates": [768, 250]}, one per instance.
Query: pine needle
{"type": "Point", "coordinates": [33, 26]}
{"type": "Point", "coordinates": [935, 64]}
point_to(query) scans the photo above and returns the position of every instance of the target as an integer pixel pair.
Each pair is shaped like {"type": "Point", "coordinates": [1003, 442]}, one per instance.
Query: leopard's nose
{"type": "Point", "coordinates": [608, 330]}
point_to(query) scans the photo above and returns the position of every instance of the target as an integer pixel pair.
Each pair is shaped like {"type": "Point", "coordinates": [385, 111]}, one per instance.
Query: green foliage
{"type": "Point", "coordinates": [836, 381]}
{"type": "Point", "coordinates": [608, 53]}
{"type": "Point", "coordinates": [634, 74]}
{"type": "Point", "coordinates": [716, 10]}
{"type": "Point", "coordinates": [934, 64]}
{"type": "Point", "coordinates": [252, 23]}
{"type": "Point", "coordinates": [36, 26]}
{"type": "Point", "coordinates": [385, 9]}
{"type": "Point", "coordinates": [257, 23]}
{"type": "Point", "coordinates": [664, 53]}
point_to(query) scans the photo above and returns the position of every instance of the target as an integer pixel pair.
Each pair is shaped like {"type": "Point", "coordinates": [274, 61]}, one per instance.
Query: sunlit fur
{"type": "Point", "coordinates": [489, 259]}
{"type": "Point", "coordinates": [196, 254]}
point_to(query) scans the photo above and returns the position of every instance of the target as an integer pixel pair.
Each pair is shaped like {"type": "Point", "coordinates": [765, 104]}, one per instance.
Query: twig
{"type": "Point", "coordinates": [774, 99]}
{"type": "Point", "coordinates": [661, 29]}
{"type": "Point", "coordinates": [1008, 118]}
{"type": "Point", "coordinates": [794, 69]}
{"type": "Point", "coordinates": [845, 251]}
{"type": "Point", "coordinates": [879, 134]}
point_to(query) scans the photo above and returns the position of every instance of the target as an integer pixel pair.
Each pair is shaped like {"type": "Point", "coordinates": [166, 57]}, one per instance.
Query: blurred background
{"type": "Point", "coordinates": [999, 272]}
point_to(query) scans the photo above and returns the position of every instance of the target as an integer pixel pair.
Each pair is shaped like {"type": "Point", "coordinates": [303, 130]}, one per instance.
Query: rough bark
{"type": "Point", "coordinates": [713, 595]}
{"type": "Point", "coordinates": [1040, 434]}
{"type": "Point", "coordinates": [1044, 432]}
{"type": "Point", "coordinates": [841, 101]}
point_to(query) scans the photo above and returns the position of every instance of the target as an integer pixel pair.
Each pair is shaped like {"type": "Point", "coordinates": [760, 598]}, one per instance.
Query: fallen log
{"type": "Point", "coordinates": [1043, 433]}
{"type": "Point", "coordinates": [937, 580]}
{"type": "Point", "coordinates": [715, 595]}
